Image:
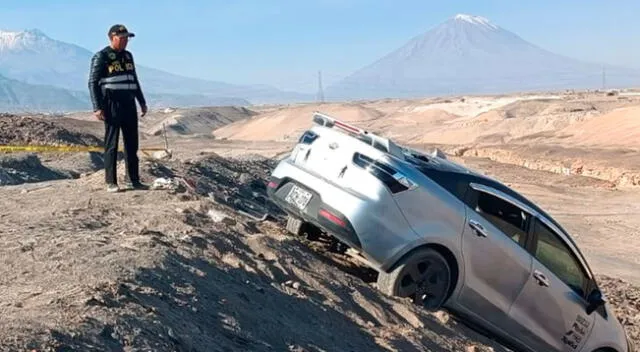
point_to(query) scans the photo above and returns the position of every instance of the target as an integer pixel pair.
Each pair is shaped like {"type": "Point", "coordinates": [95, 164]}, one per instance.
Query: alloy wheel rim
{"type": "Point", "coordinates": [425, 282]}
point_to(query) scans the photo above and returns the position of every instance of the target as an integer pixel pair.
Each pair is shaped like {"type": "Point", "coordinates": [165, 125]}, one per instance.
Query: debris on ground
{"type": "Point", "coordinates": [161, 154]}
{"type": "Point", "coordinates": [164, 183]}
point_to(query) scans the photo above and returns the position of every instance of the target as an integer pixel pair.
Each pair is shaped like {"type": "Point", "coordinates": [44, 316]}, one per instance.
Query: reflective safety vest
{"type": "Point", "coordinates": [119, 82]}
{"type": "Point", "coordinates": [120, 72]}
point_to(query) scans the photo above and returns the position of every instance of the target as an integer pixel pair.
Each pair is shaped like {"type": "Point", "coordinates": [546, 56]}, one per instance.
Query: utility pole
{"type": "Point", "coordinates": [320, 89]}
{"type": "Point", "coordinates": [604, 78]}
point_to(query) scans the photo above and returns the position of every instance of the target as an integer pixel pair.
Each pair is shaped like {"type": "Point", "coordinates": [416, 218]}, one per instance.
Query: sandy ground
{"type": "Point", "coordinates": [174, 269]}
{"type": "Point", "coordinates": [456, 121]}
{"type": "Point", "coordinates": [592, 134]}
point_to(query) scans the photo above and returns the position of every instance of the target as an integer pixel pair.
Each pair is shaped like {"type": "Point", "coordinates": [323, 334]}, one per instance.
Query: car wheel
{"type": "Point", "coordinates": [424, 276]}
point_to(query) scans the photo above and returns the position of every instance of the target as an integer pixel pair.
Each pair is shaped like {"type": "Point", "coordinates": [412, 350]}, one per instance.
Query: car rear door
{"type": "Point", "coordinates": [496, 262]}
{"type": "Point", "coordinates": [550, 314]}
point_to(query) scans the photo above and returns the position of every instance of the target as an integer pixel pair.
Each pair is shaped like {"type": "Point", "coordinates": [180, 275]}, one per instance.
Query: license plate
{"type": "Point", "coordinates": [298, 197]}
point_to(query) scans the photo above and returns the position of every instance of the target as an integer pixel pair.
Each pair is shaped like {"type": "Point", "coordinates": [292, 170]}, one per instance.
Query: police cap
{"type": "Point", "coordinates": [120, 30]}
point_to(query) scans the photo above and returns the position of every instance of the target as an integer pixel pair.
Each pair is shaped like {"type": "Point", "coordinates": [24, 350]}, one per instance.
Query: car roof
{"type": "Point", "coordinates": [458, 173]}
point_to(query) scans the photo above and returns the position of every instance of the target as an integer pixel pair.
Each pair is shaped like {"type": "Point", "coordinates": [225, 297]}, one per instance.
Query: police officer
{"type": "Point", "coordinates": [114, 88]}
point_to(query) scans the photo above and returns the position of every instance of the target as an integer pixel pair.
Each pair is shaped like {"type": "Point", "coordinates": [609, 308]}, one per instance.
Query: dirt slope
{"type": "Point", "coordinates": [288, 123]}
{"type": "Point", "coordinates": [619, 128]}
{"type": "Point", "coordinates": [194, 121]}
{"type": "Point", "coordinates": [170, 270]}
{"type": "Point", "coordinates": [178, 121]}
{"type": "Point", "coordinates": [22, 130]}
{"type": "Point", "coordinates": [407, 119]}
{"type": "Point", "coordinates": [503, 124]}
{"type": "Point", "coordinates": [21, 167]}
{"type": "Point", "coordinates": [453, 121]}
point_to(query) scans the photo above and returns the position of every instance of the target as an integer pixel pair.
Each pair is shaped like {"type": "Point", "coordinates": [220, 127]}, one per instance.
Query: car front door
{"type": "Point", "coordinates": [496, 263]}
{"type": "Point", "coordinates": [550, 314]}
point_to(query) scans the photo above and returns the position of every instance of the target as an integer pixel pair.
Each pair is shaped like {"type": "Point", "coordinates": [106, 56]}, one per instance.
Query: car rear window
{"type": "Point", "coordinates": [449, 181]}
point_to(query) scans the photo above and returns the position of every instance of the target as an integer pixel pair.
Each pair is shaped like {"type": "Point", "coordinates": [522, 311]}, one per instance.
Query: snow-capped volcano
{"type": "Point", "coordinates": [25, 40]}
{"type": "Point", "coordinates": [469, 54]}
{"type": "Point", "coordinates": [15, 40]}
{"type": "Point", "coordinates": [477, 20]}
{"type": "Point", "coordinates": [34, 58]}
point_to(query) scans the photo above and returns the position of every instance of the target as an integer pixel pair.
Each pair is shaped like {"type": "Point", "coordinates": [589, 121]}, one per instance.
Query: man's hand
{"type": "Point", "coordinates": [144, 110]}
{"type": "Point", "coordinates": [99, 115]}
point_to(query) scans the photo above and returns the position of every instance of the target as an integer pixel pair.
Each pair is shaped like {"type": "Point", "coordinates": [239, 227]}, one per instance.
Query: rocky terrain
{"type": "Point", "coordinates": [625, 297]}
{"type": "Point", "coordinates": [191, 266]}
{"type": "Point", "coordinates": [37, 130]}
{"type": "Point", "coordinates": [25, 166]}
{"type": "Point", "coordinates": [183, 268]}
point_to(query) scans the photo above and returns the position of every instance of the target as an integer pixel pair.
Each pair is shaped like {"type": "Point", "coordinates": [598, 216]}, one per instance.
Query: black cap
{"type": "Point", "coordinates": [120, 30]}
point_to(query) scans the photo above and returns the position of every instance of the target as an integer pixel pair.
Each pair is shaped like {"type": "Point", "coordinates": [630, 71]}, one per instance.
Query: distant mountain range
{"type": "Point", "coordinates": [17, 96]}
{"type": "Point", "coordinates": [44, 73]}
{"type": "Point", "coordinates": [469, 55]}
{"type": "Point", "coordinates": [463, 55]}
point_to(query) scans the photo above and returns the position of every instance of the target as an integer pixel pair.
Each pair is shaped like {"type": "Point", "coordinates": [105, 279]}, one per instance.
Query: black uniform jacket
{"type": "Point", "coordinates": [113, 77]}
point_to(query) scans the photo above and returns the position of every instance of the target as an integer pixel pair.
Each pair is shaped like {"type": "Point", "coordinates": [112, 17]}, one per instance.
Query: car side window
{"type": "Point", "coordinates": [553, 253]}
{"type": "Point", "coordinates": [507, 217]}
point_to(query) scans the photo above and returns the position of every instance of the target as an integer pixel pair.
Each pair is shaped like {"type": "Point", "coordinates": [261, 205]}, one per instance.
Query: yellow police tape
{"type": "Point", "coordinates": [61, 148]}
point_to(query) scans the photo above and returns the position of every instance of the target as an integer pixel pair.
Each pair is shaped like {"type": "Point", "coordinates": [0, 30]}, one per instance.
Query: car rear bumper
{"type": "Point", "coordinates": [316, 211]}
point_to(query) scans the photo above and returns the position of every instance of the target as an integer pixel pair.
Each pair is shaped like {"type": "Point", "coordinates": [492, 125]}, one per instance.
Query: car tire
{"type": "Point", "coordinates": [424, 276]}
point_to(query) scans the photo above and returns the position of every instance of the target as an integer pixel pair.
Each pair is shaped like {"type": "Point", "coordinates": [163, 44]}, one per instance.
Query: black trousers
{"type": "Point", "coordinates": [121, 116]}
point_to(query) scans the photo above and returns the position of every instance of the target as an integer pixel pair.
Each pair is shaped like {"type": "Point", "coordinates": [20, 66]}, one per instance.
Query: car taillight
{"type": "Point", "coordinates": [273, 183]}
{"type": "Point", "coordinates": [392, 178]}
{"type": "Point", "coordinates": [331, 217]}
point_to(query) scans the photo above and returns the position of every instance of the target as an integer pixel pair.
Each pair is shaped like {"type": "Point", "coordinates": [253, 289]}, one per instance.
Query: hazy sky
{"type": "Point", "coordinates": [285, 42]}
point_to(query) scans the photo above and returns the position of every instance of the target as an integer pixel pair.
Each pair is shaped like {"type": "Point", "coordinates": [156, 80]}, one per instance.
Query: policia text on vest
{"type": "Point", "coordinates": [114, 88]}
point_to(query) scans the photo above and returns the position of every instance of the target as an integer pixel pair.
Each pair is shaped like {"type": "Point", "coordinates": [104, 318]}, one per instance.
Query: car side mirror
{"type": "Point", "coordinates": [595, 301]}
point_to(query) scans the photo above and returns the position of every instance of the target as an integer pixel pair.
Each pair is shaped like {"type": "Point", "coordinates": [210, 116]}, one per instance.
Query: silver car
{"type": "Point", "coordinates": [446, 236]}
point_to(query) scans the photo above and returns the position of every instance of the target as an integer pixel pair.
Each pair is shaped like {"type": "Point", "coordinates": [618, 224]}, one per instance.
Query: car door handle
{"type": "Point", "coordinates": [478, 228]}
{"type": "Point", "coordinates": [541, 278]}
